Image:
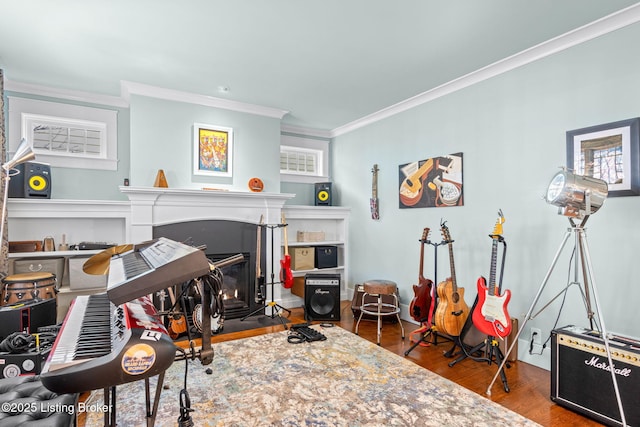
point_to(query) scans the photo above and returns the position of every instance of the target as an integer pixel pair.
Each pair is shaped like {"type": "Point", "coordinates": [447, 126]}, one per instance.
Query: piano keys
{"type": "Point", "coordinates": [151, 267]}
{"type": "Point", "coordinates": [102, 345]}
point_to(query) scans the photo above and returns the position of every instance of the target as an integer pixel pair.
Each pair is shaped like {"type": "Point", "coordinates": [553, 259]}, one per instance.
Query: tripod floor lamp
{"type": "Point", "coordinates": [577, 197]}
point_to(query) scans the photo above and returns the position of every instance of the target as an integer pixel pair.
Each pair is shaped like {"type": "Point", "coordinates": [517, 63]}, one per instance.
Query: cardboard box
{"type": "Point", "coordinates": [78, 279]}
{"type": "Point", "coordinates": [310, 236]}
{"type": "Point", "coordinates": [302, 258]}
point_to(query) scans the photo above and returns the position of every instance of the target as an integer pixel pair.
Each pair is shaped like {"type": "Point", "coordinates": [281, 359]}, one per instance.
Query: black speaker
{"type": "Point", "coordinates": [27, 316]}
{"type": "Point", "coordinates": [581, 376]}
{"type": "Point", "coordinates": [323, 194]}
{"type": "Point", "coordinates": [322, 297]}
{"type": "Point", "coordinates": [32, 181]}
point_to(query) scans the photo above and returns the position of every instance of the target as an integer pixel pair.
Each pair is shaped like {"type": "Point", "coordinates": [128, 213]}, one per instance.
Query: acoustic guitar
{"type": "Point", "coordinates": [286, 276]}
{"type": "Point", "coordinates": [490, 315]}
{"type": "Point", "coordinates": [411, 188]}
{"type": "Point", "coordinates": [421, 307]}
{"type": "Point", "coordinates": [452, 311]}
{"type": "Point", "coordinates": [260, 288]}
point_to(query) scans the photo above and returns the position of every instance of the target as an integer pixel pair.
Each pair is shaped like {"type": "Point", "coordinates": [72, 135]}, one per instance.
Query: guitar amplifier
{"type": "Point", "coordinates": [581, 376]}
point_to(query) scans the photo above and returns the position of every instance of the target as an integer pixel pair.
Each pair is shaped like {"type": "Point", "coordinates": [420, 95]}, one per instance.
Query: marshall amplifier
{"type": "Point", "coordinates": [581, 375]}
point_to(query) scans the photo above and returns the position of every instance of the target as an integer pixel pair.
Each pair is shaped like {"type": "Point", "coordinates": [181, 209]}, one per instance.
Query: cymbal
{"type": "Point", "coordinates": [99, 263]}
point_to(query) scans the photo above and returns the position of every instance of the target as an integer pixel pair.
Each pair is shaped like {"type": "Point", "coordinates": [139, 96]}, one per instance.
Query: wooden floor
{"type": "Point", "coordinates": [529, 385]}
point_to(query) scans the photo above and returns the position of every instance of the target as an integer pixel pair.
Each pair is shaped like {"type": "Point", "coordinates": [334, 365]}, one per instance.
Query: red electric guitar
{"type": "Point", "coordinates": [490, 315]}
{"type": "Point", "coordinates": [286, 276]}
{"type": "Point", "coordinates": [421, 307]}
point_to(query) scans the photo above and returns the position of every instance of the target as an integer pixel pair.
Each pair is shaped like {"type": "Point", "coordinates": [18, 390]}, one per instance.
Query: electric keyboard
{"type": "Point", "coordinates": [151, 267]}
{"type": "Point", "coordinates": [101, 345]}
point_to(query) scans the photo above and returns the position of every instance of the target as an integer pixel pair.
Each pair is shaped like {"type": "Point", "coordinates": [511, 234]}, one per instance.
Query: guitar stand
{"type": "Point", "coordinates": [426, 330]}
{"type": "Point", "coordinates": [276, 309]}
{"type": "Point", "coordinates": [490, 347]}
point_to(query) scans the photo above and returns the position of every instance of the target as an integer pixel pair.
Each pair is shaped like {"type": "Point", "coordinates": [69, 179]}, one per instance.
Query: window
{"type": "Point", "coordinates": [65, 135]}
{"type": "Point", "coordinates": [303, 160]}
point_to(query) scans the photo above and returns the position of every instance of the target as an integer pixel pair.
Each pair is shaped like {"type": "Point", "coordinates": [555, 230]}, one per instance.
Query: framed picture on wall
{"type": "Point", "coordinates": [610, 152]}
{"type": "Point", "coordinates": [212, 150]}
{"type": "Point", "coordinates": [434, 182]}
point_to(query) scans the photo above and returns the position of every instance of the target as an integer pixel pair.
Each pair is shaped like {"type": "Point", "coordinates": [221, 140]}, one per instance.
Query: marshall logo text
{"type": "Point", "coordinates": [595, 362]}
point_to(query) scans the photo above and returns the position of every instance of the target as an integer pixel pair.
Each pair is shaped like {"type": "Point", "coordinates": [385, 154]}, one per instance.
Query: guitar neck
{"type": "Point", "coordinates": [492, 271]}
{"type": "Point", "coordinates": [453, 268]}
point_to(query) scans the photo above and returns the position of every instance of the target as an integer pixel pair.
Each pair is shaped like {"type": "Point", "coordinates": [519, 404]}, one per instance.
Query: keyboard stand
{"type": "Point", "coordinates": [110, 402]}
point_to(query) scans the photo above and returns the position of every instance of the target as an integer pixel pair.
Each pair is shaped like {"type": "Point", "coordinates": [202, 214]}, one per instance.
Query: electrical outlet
{"type": "Point", "coordinates": [536, 336]}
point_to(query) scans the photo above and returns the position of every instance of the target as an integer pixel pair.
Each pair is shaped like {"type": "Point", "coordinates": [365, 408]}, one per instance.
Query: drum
{"type": "Point", "coordinates": [26, 286]}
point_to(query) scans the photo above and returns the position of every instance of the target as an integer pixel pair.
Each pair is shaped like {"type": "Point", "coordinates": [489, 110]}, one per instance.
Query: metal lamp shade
{"type": "Point", "coordinates": [576, 195]}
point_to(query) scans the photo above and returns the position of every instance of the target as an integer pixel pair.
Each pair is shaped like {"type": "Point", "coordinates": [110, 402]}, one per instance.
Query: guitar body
{"type": "Point", "coordinates": [452, 310]}
{"type": "Point", "coordinates": [421, 304]}
{"type": "Point", "coordinates": [490, 315]}
{"type": "Point", "coordinates": [286, 276]}
{"type": "Point", "coordinates": [177, 326]}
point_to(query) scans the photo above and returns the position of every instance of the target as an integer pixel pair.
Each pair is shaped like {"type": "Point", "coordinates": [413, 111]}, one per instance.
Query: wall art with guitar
{"type": "Point", "coordinates": [434, 182]}
{"type": "Point", "coordinates": [452, 310]}
{"type": "Point", "coordinates": [423, 302]}
{"type": "Point", "coordinates": [490, 315]}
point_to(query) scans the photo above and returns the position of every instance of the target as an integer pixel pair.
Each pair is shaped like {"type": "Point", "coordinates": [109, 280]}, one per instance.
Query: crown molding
{"type": "Point", "coordinates": [602, 26]}
{"type": "Point", "coordinates": [68, 94]}
{"type": "Point", "coordinates": [132, 88]}
{"type": "Point", "coordinates": [297, 130]}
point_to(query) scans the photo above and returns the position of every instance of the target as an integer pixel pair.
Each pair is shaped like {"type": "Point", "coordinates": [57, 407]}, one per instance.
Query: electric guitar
{"type": "Point", "coordinates": [490, 315]}
{"type": "Point", "coordinates": [260, 288]}
{"type": "Point", "coordinates": [286, 276]}
{"type": "Point", "coordinates": [375, 214]}
{"type": "Point", "coordinates": [421, 307]}
{"type": "Point", "coordinates": [177, 322]}
{"type": "Point", "coordinates": [411, 187]}
{"type": "Point", "coordinates": [452, 311]}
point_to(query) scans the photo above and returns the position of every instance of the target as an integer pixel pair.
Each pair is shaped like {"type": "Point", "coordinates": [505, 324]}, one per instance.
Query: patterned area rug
{"type": "Point", "coordinates": [343, 381]}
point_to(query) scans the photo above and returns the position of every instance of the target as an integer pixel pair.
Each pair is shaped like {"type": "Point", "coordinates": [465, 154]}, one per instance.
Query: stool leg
{"type": "Point", "coordinates": [379, 318]}
{"type": "Point", "coordinates": [358, 322]}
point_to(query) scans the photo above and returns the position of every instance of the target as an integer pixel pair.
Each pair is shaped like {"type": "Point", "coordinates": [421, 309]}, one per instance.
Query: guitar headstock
{"type": "Point", "coordinates": [445, 231]}
{"type": "Point", "coordinates": [375, 169]}
{"type": "Point", "coordinates": [497, 229]}
{"type": "Point", "coordinates": [425, 235]}
{"type": "Point", "coordinates": [282, 220]}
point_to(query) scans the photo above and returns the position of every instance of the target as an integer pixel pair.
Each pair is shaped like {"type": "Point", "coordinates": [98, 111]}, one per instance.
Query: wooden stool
{"type": "Point", "coordinates": [378, 288]}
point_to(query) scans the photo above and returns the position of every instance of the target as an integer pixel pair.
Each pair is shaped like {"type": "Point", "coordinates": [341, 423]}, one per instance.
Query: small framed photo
{"type": "Point", "coordinates": [212, 150]}
{"type": "Point", "coordinates": [610, 152]}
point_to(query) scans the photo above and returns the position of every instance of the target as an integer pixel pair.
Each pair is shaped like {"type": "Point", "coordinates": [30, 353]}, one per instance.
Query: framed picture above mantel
{"type": "Point", "coordinates": [610, 152]}
{"type": "Point", "coordinates": [212, 150]}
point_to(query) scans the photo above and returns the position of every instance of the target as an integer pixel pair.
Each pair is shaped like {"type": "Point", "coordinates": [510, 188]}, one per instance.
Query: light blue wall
{"type": "Point", "coordinates": [88, 184]}
{"type": "Point", "coordinates": [162, 138]}
{"type": "Point", "coordinates": [511, 130]}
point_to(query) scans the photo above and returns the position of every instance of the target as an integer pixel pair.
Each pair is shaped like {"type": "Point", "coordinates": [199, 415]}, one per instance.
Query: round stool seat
{"type": "Point", "coordinates": [380, 287]}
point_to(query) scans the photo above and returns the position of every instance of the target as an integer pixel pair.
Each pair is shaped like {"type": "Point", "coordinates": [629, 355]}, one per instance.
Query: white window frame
{"type": "Point", "coordinates": [319, 147]}
{"type": "Point", "coordinates": [25, 114]}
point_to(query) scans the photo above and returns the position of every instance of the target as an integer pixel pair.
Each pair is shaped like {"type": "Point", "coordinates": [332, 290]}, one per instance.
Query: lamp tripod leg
{"type": "Point", "coordinates": [584, 248]}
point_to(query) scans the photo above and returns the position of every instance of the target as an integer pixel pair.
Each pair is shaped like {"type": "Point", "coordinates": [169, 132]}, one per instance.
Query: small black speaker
{"type": "Point", "coordinates": [32, 181]}
{"type": "Point", "coordinates": [322, 297]}
{"type": "Point", "coordinates": [323, 194]}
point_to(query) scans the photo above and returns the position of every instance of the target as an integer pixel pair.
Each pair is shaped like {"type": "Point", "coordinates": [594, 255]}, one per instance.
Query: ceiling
{"type": "Point", "coordinates": [327, 63]}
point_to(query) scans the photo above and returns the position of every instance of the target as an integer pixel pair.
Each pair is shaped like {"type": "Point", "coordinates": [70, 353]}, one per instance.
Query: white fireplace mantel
{"type": "Point", "coordinates": [151, 206]}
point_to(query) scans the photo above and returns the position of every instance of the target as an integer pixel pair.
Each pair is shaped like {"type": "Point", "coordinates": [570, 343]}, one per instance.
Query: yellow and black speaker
{"type": "Point", "coordinates": [323, 194]}
{"type": "Point", "coordinates": [33, 180]}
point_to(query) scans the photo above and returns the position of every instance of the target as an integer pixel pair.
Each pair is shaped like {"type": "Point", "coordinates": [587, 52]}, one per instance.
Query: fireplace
{"type": "Point", "coordinates": [224, 239]}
